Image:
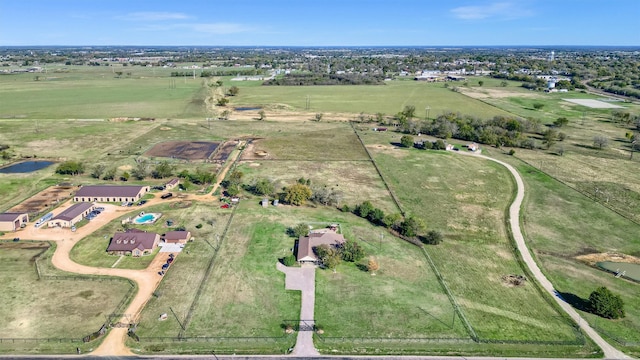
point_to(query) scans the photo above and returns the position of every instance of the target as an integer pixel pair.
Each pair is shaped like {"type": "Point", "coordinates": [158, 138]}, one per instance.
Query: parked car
{"type": "Point", "coordinates": [142, 202]}
{"type": "Point", "coordinates": [165, 266]}
{"type": "Point", "coordinates": [166, 196]}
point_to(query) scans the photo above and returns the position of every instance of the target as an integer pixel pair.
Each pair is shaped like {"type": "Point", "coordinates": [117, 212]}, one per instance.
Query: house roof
{"type": "Point", "coordinates": [109, 190]}
{"type": "Point", "coordinates": [73, 211]}
{"type": "Point", "coordinates": [10, 216]}
{"type": "Point", "coordinates": [129, 241]}
{"type": "Point", "coordinates": [177, 235]}
{"type": "Point", "coordinates": [307, 243]}
{"type": "Point", "coordinates": [173, 181]}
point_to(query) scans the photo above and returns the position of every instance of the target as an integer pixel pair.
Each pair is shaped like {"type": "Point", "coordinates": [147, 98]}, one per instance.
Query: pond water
{"type": "Point", "coordinates": [25, 167]}
{"type": "Point", "coordinates": [247, 108]}
{"type": "Point", "coordinates": [632, 271]}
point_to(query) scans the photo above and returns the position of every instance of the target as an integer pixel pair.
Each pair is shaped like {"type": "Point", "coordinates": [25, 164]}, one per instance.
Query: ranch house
{"type": "Point", "coordinates": [176, 237]}
{"type": "Point", "coordinates": [307, 243]}
{"type": "Point", "coordinates": [133, 242]}
{"type": "Point", "coordinates": [72, 215]}
{"type": "Point", "coordinates": [13, 221]}
{"type": "Point", "coordinates": [110, 193]}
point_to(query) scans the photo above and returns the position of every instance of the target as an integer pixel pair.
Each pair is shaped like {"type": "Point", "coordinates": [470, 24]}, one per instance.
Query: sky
{"type": "Point", "coordinates": [319, 22]}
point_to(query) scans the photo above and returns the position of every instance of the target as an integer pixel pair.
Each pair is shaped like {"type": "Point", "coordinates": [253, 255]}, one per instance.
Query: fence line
{"type": "Point", "coordinates": [452, 299]}
{"type": "Point", "coordinates": [206, 275]}
{"type": "Point", "coordinates": [384, 181]}
{"type": "Point", "coordinates": [39, 340]}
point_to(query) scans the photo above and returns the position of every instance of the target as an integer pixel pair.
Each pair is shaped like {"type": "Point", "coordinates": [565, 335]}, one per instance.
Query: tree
{"type": "Point", "coordinates": [538, 105]}
{"type": "Point", "coordinates": [141, 170]}
{"type": "Point", "coordinates": [411, 227]}
{"type": "Point", "coordinates": [262, 115]}
{"type": "Point", "coordinates": [376, 216]}
{"type": "Point", "coordinates": [392, 220]}
{"type": "Point", "coordinates": [409, 112]}
{"type": "Point", "coordinates": [433, 237]}
{"type": "Point", "coordinates": [549, 138]}
{"type": "Point", "coordinates": [380, 117]}
{"type": "Point", "coordinates": [351, 251]}
{"type": "Point", "coordinates": [504, 83]}
{"type": "Point", "coordinates": [223, 101]}
{"type": "Point", "coordinates": [606, 304]}
{"type": "Point", "coordinates": [225, 115]}
{"type": "Point", "coordinates": [70, 168]}
{"type": "Point", "coordinates": [560, 122]}
{"type": "Point", "coordinates": [163, 170]}
{"type": "Point", "coordinates": [97, 171]}
{"type": "Point", "coordinates": [125, 176]}
{"type": "Point", "coordinates": [406, 141]}
{"type": "Point", "coordinates": [233, 91]}
{"type": "Point", "coordinates": [110, 174]}
{"type": "Point", "coordinates": [600, 141]}
{"type": "Point", "coordinates": [297, 194]}
{"type": "Point", "coordinates": [318, 117]}
{"type": "Point", "coordinates": [263, 186]}
{"type": "Point", "coordinates": [289, 260]}
{"type": "Point", "coordinates": [372, 265]}
{"type": "Point", "coordinates": [329, 256]}
{"type": "Point", "coordinates": [480, 83]}
{"type": "Point", "coordinates": [299, 230]}
{"type": "Point", "coordinates": [364, 209]}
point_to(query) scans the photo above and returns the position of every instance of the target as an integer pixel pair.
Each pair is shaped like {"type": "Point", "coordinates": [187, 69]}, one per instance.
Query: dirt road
{"type": "Point", "coordinates": [609, 351]}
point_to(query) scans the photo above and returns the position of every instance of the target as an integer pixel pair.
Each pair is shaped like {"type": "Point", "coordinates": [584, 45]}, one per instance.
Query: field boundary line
{"type": "Point", "coordinates": [384, 181]}
{"type": "Point", "coordinates": [206, 275]}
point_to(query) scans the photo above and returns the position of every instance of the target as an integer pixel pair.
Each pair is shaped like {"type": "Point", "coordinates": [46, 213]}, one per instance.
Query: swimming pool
{"type": "Point", "coordinates": [149, 218]}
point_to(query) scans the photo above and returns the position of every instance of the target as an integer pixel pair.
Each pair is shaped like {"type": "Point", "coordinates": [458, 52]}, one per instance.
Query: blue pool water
{"type": "Point", "coordinates": [146, 219]}
{"type": "Point", "coordinates": [25, 167]}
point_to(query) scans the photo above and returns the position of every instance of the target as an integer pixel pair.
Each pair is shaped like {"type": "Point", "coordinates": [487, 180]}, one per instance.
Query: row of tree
{"type": "Point", "coordinates": [303, 79]}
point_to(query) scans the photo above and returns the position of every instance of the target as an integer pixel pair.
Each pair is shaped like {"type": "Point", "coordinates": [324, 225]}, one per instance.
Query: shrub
{"type": "Point", "coordinates": [199, 226]}
{"type": "Point", "coordinates": [299, 230]}
{"type": "Point", "coordinates": [433, 237]}
{"type": "Point", "coordinates": [289, 260]}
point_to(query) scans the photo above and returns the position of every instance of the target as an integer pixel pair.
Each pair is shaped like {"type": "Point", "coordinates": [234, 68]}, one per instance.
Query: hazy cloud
{"type": "Point", "coordinates": [499, 10]}
{"type": "Point", "coordinates": [202, 28]}
{"type": "Point", "coordinates": [154, 16]}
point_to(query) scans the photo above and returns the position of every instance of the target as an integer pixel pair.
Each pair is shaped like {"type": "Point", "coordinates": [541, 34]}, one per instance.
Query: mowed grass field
{"type": "Point", "coordinates": [389, 98]}
{"type": "Point", "coordinates": [97, 93]}
{"type": "Point", "coordinates": [466, 199]}
{"type": "Point", "coordinates": [34, 309]}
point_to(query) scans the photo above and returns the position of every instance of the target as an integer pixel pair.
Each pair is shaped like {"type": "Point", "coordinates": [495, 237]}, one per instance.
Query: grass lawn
{"type": "Point", "coordinates": [61, 308]}
{"type": "Point", "coordinates": [92, 250]}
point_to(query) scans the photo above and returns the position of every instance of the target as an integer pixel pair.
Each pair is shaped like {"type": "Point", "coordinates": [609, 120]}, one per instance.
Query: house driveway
{"type": "Point", "coordinates": [303, 279]}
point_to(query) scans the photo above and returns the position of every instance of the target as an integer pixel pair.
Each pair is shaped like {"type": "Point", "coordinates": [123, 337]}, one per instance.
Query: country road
{"type": "Point", "coordinates": [609, 351]}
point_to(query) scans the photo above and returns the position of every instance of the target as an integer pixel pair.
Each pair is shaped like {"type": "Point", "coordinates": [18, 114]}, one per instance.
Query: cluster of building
{"type": "Point", "coordinates": [132, 242]}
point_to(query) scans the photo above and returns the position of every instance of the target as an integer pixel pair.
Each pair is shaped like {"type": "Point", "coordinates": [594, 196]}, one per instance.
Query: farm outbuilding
{"type": "Point", "coordinates": [13, 221]}
{"type": "Point", "coordinates": [176, 237]}
{"type": "Point", "coordinates": [72, 215]}
{"type": "Point", "coordinates": [133, 242]}
{"type": "Point", "coordinates": [110, 193]}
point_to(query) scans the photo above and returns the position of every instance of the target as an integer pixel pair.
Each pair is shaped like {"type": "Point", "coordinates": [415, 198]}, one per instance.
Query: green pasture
{"type": "Point", "coordinates": [466, 199]}
{"type": "Point", "coordinates": [36, 310]}
{"type": "Point", "coordinates": [389, 99]}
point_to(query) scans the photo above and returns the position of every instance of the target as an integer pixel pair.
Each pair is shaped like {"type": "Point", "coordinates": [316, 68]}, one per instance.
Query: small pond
{"type": "Point", "coordinates": [631, 271]}
{"type": "Point", "coordinates": [25, 167]}
{"type": "Point", "coordinates": [247, 108]}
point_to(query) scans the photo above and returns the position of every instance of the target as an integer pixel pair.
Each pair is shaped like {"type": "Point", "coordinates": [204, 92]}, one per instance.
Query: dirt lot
{"type": "Point", "coordinates": [187, 150]}
{"type": "Point", "coordinates": [44, 200]}
{"type": "Point", "coordinates": [224, 151]}
{"type": "Point", "coordinates": [253, 151]}
{"type": "Point", "coordinates": [592, 259]}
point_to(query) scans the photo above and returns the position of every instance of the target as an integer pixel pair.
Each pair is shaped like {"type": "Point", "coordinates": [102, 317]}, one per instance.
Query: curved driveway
{"type": "Point", "coordinates": [609, 351]}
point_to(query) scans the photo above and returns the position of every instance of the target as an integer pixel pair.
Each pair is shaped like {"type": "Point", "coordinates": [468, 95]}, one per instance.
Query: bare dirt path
{"type": "Point", "coordinates": [609, 351]}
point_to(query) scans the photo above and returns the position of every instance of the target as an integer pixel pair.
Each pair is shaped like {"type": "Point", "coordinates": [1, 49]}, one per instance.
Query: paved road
{"type": "Point", "coordinates": [303, 279]}
{"type": "Point", "coordinates": [610, 352]}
